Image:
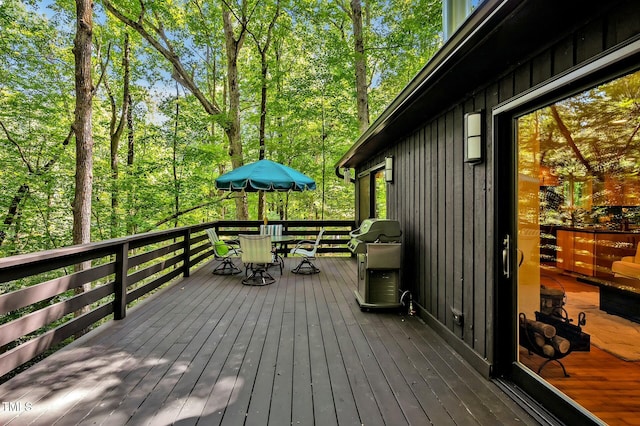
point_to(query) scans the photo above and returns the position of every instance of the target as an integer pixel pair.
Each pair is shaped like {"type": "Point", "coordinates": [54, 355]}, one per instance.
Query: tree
{"type": "Point", "coordinates": [263, 48]}
{"type": "Point", "coordinates": [234, 39]}
{"type": "Point", "coordinates": [83, 130]}
{"type": "Point", "coordinates": [152, 29]}
{"type": "Point", "coordinates": [82, 124]}
{"type": "Point", "coordinates": [116, 129]}
{"type": "Point", "coordinates": [354, 11]}
{"type": "Point", "coordinates": [35, 131]}
{"type": "Point", "coordinates": [290, 95]}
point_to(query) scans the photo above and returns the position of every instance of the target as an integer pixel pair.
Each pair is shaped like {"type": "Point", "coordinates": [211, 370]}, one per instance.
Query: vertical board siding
{"type": "Point", "coordinates": [542, 68]}
{"type": "Point", "coordinates": [441, 214]}
{"type": "Point", "coordinates": [446, 207]}
{"type": "Point", "coordinates": [458, 216]}
{"type": "Point", "coordinates": [479, 253]}
{"type": "Point", "coordinates": [410, 191]}
{"type": "Point", "coordinates": [562, 56]}
{"type": "Point", "coordinates": [619, 27]}
{"type": "Point", "coordinates": [522, 78]}
{"type": "Point", "coordinates": [589, 41]}
{"type": "Point", "coordinates": [445, 315]}
{"type": "Point", "coordinates": [468, 306]}
{"type": "Point", "coordinates": [486, 339]}
{"type": "Point", "coordinates": [432, 302]}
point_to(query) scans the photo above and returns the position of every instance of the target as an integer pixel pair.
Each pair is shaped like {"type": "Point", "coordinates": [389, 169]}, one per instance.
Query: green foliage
{"type": "Point", "coordinates": [179, 149]}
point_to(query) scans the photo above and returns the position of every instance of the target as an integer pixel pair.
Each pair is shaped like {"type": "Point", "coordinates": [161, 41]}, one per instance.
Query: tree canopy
{"type": "Point", "coordinates": [184, 91]}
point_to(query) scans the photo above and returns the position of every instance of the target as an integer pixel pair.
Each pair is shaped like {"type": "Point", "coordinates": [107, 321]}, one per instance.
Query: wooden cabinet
{"type": "Point", "coordinates": [591, 253]}
{"type": "Point", "coordinates": [564, 255]}
{"type": "Point", "coordinates": [576, 252]}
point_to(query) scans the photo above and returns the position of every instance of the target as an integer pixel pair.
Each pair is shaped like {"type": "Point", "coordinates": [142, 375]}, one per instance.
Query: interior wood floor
{"type": "Point", "coordinates": [602, 383]}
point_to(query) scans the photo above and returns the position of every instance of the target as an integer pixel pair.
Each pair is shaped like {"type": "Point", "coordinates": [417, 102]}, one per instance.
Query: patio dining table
{"type": "Point", "coordinates": [279, 239]}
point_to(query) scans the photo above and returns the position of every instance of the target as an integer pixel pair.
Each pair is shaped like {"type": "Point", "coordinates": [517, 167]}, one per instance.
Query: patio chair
{"type": "Point", "coordinates": [307, 249]}
{"type": "Point", "coordinates": [224, 253]}
{"type": "Point", "coordinates": [257, 257]}
{"type": "Point", "coordinates": [274, 230]}
{"type": "Point", "coordinates": [270, 229]}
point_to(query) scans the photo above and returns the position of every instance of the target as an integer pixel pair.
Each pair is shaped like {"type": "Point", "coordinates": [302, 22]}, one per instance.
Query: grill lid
{"type": "Point", "coordinates": [373, 230]}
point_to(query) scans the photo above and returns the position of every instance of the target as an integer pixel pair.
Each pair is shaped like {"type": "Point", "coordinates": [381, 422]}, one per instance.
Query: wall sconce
{"type": "Point", "coordinates": [388, 169]}
{"type": "Point", "coordinates": [473, 137]}
{"type": "Point", "coordinates": [347, 175]}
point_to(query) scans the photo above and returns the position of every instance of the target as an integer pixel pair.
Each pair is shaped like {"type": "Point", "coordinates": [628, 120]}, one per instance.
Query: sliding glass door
{"type": "Point", "coordinates": [577, 270]}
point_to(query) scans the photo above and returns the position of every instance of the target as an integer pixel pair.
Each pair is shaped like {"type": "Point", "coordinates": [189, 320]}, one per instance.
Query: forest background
{"type": "Point", "coordinates": [183, 91]}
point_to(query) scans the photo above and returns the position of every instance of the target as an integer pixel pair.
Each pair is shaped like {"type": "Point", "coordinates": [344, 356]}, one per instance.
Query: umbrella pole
{"type": "Point", "coordinates": [264, 207]}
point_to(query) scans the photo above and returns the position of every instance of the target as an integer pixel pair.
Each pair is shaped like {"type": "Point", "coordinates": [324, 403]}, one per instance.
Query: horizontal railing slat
{"type": "Point", "coordinates": [144, 289]}
{"type": "Point", "coordinates": [36, 293]}
{"type": "Point", "coordinates": [153, 269]}
{"type": "Point", "coordinates": [33, 264]}
{"type": "Point", "coordinates": [153, 254]}
{"type": "Point", "coordinates": [38, 319]}
{"type": "Point", "coordinates": [38, 345]}
{"type": "Point", "coordinates": [201, 247]}
{"type": "Point", "coordinates": [201, 256]}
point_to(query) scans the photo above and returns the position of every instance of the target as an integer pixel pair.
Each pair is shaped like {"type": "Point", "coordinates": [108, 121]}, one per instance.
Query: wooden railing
{"type": "Point", "coordinates": [48, 309]}
{"type": "Point", "coordinates": [334, 239]}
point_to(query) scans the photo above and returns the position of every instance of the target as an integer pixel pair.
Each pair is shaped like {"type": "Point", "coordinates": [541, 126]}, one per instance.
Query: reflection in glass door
{"type": "Point", "coordinates": [578, 223]}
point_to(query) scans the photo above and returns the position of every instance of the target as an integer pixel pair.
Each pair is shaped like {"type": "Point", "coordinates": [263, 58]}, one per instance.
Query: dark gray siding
{"type": "Point", "coordinates": [446, 207]}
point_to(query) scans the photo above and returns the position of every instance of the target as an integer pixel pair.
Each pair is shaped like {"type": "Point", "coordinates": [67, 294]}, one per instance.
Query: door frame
{"type": "Point", "coordinates": [601, 68]}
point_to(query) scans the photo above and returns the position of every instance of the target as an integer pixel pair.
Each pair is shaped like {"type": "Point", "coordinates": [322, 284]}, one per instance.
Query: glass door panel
{"type": "Point", "coordinates": [578, 231]}
{"type": "Point", "coordinates": [380, 195]}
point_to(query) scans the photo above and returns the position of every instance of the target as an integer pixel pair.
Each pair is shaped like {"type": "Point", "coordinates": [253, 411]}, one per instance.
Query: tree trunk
{"type": "Point", "coordinates": [262, 210]}
{"type": "Point", "coordinates": [130, 160]}
{"type": "Point", "coordinates": [115, 133]}
{"type": "Point", "coordinates": [566, 134]}
{"type": "Point", "coordinates": [361, 66]}
{"type": "Point", "coordinates": [233, 46]}
{"type": "Point", "coordinates": [82, 124]}
{"type": "Point", "coordinates": [82, 127]}
{"type": "Point", "coordinates": [264, 71]}
{"type": "Point", "coordinates": [176, 182]}
{"type": "Point", "coordinates": [14, 209]}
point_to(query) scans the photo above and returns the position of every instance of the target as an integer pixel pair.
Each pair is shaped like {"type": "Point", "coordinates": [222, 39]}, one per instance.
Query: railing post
{"type": "Point", "coordinates": [120, 288]}
{"type": "Point", "coordinates": [186, 255]}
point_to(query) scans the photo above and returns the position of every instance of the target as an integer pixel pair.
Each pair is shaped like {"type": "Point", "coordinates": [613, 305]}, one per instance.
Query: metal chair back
{"type": "Point", "coordinates": [270, 229]}
{"type": "Point", "coordinates": [256, 249]}
{"type": "Point", "coordinates": [257, 256]}
{"type": "Point", "coordinates": [223, 253]}
{"type": "Point", "coordinates": [306, 266]}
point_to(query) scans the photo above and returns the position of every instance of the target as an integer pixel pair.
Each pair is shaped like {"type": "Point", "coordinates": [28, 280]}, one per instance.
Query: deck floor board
{"type": "Point", "coordinates": [208, 350]}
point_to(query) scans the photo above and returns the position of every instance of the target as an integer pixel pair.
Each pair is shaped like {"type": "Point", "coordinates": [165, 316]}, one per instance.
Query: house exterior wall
{"type": "Point", "coordinates": [446, 207]}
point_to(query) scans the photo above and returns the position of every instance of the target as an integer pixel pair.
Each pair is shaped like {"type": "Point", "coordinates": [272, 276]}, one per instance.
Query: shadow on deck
{"type": "Point", "coordinates": [208, 350]}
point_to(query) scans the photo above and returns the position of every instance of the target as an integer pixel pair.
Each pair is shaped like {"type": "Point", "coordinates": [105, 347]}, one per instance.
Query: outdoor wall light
{"type": "Point", "coordinates": [347, 175]}
{"type": "Point", "coordinates": [388, 169]}
{"type": "Point", "coordinates": [473, 137]}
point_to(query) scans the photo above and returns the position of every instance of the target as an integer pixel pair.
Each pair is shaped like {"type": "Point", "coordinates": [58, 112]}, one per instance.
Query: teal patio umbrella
{"type": "Point", "coordinates": [265, 175]}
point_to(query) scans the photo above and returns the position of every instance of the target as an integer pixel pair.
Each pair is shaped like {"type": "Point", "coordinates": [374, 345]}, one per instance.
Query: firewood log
{"type": "Point", "coordinates": [561, 344]}
{"type": "Point", "coordinates": [546, 330]}
{"type": "Point", "coordinates": [539, 339]}
{"type": "Point", "coordinates": [548, 351]}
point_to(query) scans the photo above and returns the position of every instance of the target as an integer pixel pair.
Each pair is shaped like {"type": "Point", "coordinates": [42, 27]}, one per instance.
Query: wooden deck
{"type": "Point", "coordinates": [209, 350]}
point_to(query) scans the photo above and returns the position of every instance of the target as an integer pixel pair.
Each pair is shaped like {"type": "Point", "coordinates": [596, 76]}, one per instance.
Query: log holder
{"type": "Point", "coordinates": [527, 340]}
